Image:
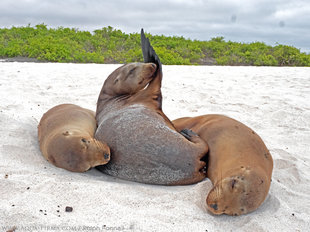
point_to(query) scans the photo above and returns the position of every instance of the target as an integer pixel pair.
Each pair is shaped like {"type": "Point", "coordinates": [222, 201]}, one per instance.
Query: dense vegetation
{"type": "Point", "coordinates": [108, 45]}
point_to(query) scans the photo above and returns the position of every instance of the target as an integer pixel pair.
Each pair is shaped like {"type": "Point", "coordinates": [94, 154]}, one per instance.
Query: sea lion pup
{"type": "Point", "coordinates": [66, 137]}
{"type": "Point", "coordinates": [239, 166]}
{"type": "Point", "coordinates": [145, 147]}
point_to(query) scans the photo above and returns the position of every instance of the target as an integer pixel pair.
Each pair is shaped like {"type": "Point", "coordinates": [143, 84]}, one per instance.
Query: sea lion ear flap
{"type": "Point", "coordinates": [149, 55]}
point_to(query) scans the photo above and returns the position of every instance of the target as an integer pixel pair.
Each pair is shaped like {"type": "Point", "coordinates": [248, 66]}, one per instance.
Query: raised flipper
{"type": "Point", "coordinates": [149, 55]}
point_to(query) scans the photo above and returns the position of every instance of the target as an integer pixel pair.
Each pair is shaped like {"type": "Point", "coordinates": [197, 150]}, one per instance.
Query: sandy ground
{"type": "Point", "coordinates": [34, 194]}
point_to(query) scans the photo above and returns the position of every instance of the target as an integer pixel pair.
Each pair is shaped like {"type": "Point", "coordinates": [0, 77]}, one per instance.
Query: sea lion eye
{"type": "Point", "coordinates": [132, 71]}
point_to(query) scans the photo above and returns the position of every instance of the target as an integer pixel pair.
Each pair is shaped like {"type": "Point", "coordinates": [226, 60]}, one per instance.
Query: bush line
{"type": "Point", "coordinates": [109, 45]}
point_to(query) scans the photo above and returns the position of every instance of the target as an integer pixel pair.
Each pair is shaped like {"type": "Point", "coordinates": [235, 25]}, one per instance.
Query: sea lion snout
{"type": "Point", "coordinates": [101, 153]}
{"type": "Point", "coordinates": [214, 206]}
{"type": "Point", "coordinates": [149, 69]}
{"type": "Point", "coordinates": [106, 156]}
{"type": "Point", "coordinates": [153, 67]}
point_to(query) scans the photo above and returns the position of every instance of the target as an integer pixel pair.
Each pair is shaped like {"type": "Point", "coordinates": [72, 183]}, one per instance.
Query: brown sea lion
{"type": "Point", "coordinates": [145, 147]}
{"type": "Point", "coordinates": [66, 137]}
{"type": "Point", "coordinates": [239, 166]}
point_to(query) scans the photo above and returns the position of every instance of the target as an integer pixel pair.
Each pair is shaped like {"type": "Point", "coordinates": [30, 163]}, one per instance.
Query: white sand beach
{"type": "Point", "coordinates": [273, 101]}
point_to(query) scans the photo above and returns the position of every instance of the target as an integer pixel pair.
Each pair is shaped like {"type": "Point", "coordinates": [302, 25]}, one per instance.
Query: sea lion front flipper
{"type": "Point", "coordinates": [153, 90]}
{"type": "Point", "coordinates": [149, 55]}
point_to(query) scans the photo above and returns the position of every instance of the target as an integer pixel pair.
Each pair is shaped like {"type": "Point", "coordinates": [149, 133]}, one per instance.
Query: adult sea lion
{"type": "Point", "coordinates": [145, 147]}
{"type": "Point", "coordinates": [66, 137]}
{"type": "Point", "coordinates": [239, 166]}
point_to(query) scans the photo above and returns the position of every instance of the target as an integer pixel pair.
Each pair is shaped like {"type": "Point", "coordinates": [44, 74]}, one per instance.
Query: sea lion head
{"type": "Point", "coordinates": [237, 194]}
{"type": "Point", "coordinates": [129, 78]}
{"type": "Point", "coordinates": [81, 153]}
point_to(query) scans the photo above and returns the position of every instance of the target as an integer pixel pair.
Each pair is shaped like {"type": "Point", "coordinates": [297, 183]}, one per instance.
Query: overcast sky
{"type": "Point", "coordinates": [270, 21]}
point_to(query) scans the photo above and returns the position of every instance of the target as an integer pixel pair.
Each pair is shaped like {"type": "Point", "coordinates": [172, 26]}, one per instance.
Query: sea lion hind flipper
{"type": "Point", "coordinates": [149, 55]}
{"type": "Point", "coordinates": [187, 133]}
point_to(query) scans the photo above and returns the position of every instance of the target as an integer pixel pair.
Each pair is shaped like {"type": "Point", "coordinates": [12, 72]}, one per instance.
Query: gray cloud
{"type": "Point", "coordinates": [269, 21]}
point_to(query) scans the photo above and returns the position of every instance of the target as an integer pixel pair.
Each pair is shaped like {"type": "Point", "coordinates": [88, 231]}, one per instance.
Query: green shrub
{"type": "Point", "coordinates": [108, 45]}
